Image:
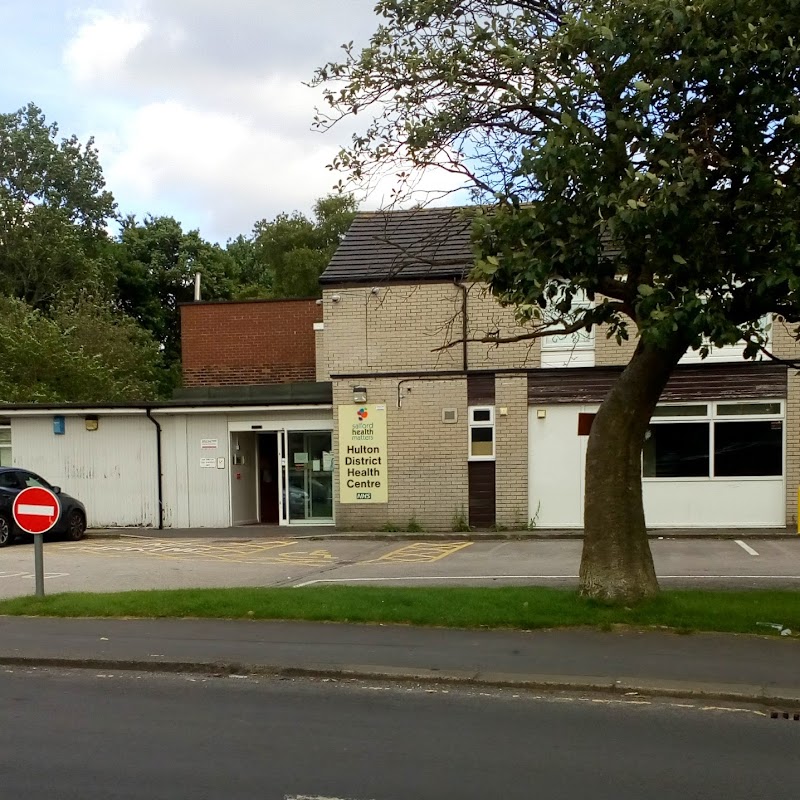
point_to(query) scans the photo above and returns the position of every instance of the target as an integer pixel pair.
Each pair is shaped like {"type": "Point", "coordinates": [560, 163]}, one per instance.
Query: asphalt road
{"type": "Point", "coordinates": [77, 735]}
{"type": "Point", "coordinates": [147, 563]}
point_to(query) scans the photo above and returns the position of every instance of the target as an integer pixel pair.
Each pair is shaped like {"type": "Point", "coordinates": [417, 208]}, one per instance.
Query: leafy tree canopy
{"type": "Point", "coordinates": [155, 267]}
{"type": "Point", "coordinates": [81, 352]}
{"type": "Point", "coordinates": [292, 250]}
{"type": "Point", "coordinates": [644, 152]}
{"type": "Point", "coordinates": [53, 210]}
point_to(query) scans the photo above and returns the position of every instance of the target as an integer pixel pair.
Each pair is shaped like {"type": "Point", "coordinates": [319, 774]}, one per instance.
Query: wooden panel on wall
{"type": "Point", "coordinates": [482, 494]}
{"type": "Point", "coordinates": [737, 381]}
{"type": "Point", "coordinates": [480, 390]}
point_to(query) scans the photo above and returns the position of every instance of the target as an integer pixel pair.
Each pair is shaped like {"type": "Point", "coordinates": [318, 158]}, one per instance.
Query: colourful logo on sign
{"type": "Point", "coordinates": [362, 414]}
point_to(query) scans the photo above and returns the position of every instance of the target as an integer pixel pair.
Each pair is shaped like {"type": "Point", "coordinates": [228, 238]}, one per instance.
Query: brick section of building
{"type": "Point", "coordinates": [427, 458]}
{"type": "Point", "coordinates": [249, 343]}
{"type": "Point", "coordinates": [511, 431]}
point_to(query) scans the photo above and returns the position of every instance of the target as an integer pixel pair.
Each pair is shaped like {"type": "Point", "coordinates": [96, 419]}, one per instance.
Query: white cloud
{"type": "Point", "coordinates": [202, 109]}
{"type": "Point", "coordinates": [102, 45]}
{"type": "Point", "coordinates": [229, 171]}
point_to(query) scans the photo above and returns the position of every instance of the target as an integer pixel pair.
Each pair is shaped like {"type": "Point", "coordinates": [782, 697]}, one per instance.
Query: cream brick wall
{"type": "Point", "coordinates": [784, 346]}
{"type": "Point", "coordinates": [511, 392]}
{"type": "Point", "coordinates": [323, 373]}
{"type": "Point", "coordinates": [426, 459]}
{"type": "Point", "coordinates": [486, 316]}
{"type": "Point", "coordinates": [401, 328]}
{"type": "Point", "coordinates": [607, 353]}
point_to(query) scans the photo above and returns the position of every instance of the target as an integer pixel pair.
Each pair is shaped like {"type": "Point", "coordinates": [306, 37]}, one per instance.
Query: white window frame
{"type": "Point", "coordinates": [473, 424]}
{"type": "Point", "coordinates": [711, 417]}
{"type": "Point", "coordinates": [730, 352]}
{"type": "Point", "coordinates": [8, 446]}
{"type": "Point", "coordinates": [573, 348]}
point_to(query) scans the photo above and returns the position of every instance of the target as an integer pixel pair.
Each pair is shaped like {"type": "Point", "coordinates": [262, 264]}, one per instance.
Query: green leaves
{"type": "Point", "coordinates": [83, 352]}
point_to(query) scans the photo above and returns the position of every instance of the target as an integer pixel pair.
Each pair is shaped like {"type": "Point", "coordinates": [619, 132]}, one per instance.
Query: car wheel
{"type": "Point", "coordinates": [76, 526]}
{"type": "Point", "coordinates": [5, 531]}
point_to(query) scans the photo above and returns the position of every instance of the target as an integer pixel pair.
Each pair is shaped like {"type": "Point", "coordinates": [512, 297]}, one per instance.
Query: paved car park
{"type": "Point", "coordinates": [132, 562]}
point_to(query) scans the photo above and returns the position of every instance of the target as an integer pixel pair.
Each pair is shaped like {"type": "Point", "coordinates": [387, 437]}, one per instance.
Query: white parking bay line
{"type": "Point", "coordinates": [443, 578]}
{"type": "Point", "coordinates": [746, 547]}
{"type": "Point", "coordinates": [311, 797]}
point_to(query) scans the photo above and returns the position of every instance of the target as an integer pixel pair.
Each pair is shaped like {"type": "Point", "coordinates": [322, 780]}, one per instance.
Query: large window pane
{"type": "Point", "coordinates": [676, 450]}
{"type": "Point", "coordinates": [748, 448]}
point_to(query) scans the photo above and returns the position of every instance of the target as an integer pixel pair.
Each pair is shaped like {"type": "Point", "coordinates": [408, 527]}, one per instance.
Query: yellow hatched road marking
{"type": "Point", "coordinates": [261, 552]}
{"type": "Point", "coordinates": [419, 553]}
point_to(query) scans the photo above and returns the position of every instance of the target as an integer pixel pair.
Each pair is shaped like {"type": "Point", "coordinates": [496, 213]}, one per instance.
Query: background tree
{"type": "Point", "coordinates": [54, 210]}
{"type": "Point", "coordinates": [83, 352]}
{"type": "Point", "coordinates": [644, 152]}
{"type": "Point", "coordinates": [155, 269]}
{"type": "Point", "coordinates": [293, 250]}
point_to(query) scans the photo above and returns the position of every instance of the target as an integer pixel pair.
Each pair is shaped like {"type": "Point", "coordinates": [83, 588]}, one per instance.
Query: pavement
{"type": "Point", "coordinates": [750, 669]}
{"type": "Point", "coordinates": [315, 532]}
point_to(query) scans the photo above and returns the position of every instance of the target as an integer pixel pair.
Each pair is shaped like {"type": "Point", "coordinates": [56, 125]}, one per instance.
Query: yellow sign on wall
{"type": "Point", "coordinates": [363, 477]}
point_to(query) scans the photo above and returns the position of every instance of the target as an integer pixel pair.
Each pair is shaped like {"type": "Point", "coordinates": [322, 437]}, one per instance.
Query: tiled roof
{"type": "Point", "coordinates": [420, 244]}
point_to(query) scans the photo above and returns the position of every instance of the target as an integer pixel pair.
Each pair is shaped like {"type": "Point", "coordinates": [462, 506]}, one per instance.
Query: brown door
{"type": "Point", "coordinates": [269, 478]}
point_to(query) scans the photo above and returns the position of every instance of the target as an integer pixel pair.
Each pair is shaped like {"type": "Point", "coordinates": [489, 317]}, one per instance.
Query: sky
{"type": "Point", "coordinates": [197, 107]}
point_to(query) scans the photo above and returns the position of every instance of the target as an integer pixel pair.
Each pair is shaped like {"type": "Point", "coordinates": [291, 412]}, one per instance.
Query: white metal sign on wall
{"type": "Point", "coordinates": [363, 474]}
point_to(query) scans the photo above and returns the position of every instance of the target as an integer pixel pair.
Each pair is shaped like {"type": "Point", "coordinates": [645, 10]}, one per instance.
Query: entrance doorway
{"type": "Point", "coordinates": [269, 479]}
{"type": "Point", "coordinates": [309, 464]}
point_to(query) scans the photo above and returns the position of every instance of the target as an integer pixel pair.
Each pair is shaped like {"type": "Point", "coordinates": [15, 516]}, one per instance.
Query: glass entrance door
{"type": "Point", "coordinates": [309, 466]}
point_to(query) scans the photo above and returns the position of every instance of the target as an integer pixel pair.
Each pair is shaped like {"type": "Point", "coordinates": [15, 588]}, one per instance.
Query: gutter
{"type": "Point", "coordinates": [149, 413]}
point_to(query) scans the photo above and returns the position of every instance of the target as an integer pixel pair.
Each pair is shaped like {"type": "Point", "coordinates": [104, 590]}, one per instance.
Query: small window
{"type": "Point", "coordinates": [751, 409]}
{"type": "Point", "coordinates": [691, 410]}
{"type": "Point", "coordinates": [5, 447]}
{"type": "Point", "coordinates": [676, 450]}
{"type": "Point", "coordinates": [481, 433]}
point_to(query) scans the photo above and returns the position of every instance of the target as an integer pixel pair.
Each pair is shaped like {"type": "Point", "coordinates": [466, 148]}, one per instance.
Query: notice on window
{"type": "Point", "coordinates": [327, 461]}
{"type": "Point", "coordinates": [363, 474]}
{"type": "Point", "coordinates": [301, 458]}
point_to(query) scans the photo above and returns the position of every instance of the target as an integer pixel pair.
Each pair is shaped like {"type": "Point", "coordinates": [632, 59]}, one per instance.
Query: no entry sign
{"type": "Point", "coordinates": [36, 510]}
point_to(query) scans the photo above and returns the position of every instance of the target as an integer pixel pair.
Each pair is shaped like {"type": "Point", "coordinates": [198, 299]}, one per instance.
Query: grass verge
{"type": "Point", "coordinates": [506, 607]}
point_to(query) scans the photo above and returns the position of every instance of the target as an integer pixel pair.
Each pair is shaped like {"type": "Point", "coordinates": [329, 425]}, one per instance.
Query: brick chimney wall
{"type": "Point", "coordinates": [249, 342]}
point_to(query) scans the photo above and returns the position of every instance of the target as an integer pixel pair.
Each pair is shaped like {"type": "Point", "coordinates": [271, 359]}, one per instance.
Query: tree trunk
{"type": "Point", "coordinates": [617, 565]}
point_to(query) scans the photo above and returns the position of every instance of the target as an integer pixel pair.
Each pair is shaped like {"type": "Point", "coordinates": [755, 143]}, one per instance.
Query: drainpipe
{"type": "Point", "coordinates": [149, 412]}
{"type": "Point", "coordinates": [464, 325]}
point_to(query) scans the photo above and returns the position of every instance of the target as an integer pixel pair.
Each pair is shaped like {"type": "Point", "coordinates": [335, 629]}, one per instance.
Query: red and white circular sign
{"type": "Point", "coordinates": [36, 510]}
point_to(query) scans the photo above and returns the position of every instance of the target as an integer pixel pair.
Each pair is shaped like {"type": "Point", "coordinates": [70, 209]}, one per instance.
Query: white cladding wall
{"type": "Point", "coordinates": [195, 495]}
{"type": "Point", "coordinates": [557, 462]}
{"type": "Point", "coordinates": [111, 470]}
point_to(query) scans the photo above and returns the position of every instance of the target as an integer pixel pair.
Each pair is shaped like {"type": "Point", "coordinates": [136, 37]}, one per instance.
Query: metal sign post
{"type": "Point", "coordinates": [36, 510]}
{"type": "Point", "coordinates": [38, 557]}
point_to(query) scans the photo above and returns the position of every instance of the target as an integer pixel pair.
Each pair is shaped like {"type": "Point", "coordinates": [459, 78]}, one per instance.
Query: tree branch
{"type": "Point", "coordinates": [539, 333]}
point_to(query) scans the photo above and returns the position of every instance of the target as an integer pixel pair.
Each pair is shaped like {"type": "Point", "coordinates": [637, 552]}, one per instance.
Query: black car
{"type": "Point", "coordinates": [71, 522]}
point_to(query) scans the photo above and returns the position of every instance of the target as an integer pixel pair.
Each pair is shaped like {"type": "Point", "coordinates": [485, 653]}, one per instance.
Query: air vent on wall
{"type": "Point", "coordinates": [449, 415]}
